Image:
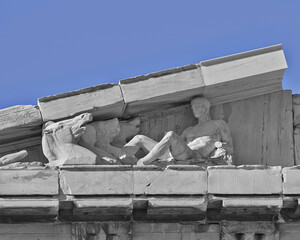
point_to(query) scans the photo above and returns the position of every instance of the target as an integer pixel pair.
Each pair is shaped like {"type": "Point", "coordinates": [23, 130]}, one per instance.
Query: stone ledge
{"type": "Point", "coordinates": [161, 91]}
{"type": "Point", "coordinates": [291, 179]}
{"type": "Point", "coordinates": [28, 182]}
{"type": "Point", "coordinates": [28, 206]}
{"type": "Point", "coordinates": [19, 122]}
{"type": "Point", "coordinates": [244, 75]}
{"type": "Point", "coordinates": [102, 208]}
{"type": "Point", "coordinates": [168, 207]}
{"type": "Point", "coordinates": [103, 101]}
{"type": "Point", "coordinates": [151, 180]}
{"type": "Point", "coordinates": [174, 180]}
{"type": "Point", "coordinates": [95, 192]}
{"type": "Point", "coordinates": [96, 182]}
{"type": "Point", "coordinates": [243, 180]}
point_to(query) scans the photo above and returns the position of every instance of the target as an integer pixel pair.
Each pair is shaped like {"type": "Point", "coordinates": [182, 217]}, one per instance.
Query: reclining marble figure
{"type": "Point", "coordinates": [208, 140]}
{"type": "Point", "coordinates": [107, 138]}
{"type": "Point", "coordinates": [59, 142]}
{"type": "Point", "coordinates": [80, 141]}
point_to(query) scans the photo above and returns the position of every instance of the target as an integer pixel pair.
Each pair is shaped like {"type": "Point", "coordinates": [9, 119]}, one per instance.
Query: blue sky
{"type": "Point", "coordinates": [49, 47]}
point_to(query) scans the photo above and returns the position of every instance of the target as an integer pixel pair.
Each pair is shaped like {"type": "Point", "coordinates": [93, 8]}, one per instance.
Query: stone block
{"type": "Point", "coordinates": [97, 230]}
{"type": "Point", "coordinates": [30, 231]}
{"type": "Point", "coordinates": [162, 89]}
{"type": "Point", "coordinates": [28, 182]}
{"type": "Point", "coordinates": [19, 122]}
{"type": "Point", "coordinates": [175, 180]}
{"type": "Point", "coordinates": [103, 101]}
{"type": "Point", "coordinates": [244, 75]}
{"type": "Point", "coordinates": [96, 180]}
{"type": "Point", "coordinates": [177, 206]}
{"type": "Point", "coordinates": [253, 179]}
{"type": "Point", "coordinates": [249, 230]}
{"type": "Point", "coordinates": [289, 231]}
{"type": "Point", "coordinates": [28, 206]}
{"type": "Point", "coordinates": [244, 206]}
{"type": "Point", "coordinates": [252, 202]}
{"type": "Point", "coordinates": [102, 208]}
{"type": "Point", "coordinates": [296, 109]}
{"type": "Point", "coordinates": [256, 125]}
{"type": "Point", "coordinates": [166, 231]}
{"type": "Point", "coordinates": [291, 179]}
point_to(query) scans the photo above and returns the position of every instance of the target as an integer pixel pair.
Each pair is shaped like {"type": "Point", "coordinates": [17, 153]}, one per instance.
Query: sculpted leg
{"type": "Point", "coordinates": [178, 148]}
{"type": "Point", "coordinates": [136, 143]}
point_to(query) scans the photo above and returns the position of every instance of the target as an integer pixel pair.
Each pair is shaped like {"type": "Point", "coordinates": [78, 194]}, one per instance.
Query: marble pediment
{"type": "Point", "coordinates": [162, 97]}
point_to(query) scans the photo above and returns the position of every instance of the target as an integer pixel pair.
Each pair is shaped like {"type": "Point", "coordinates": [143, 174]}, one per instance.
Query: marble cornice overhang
{"type": "Point", "coordinates": [181, 193]}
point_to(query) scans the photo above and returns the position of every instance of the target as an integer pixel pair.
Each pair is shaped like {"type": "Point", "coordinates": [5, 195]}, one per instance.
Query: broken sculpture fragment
{"type": "Point", "coordinates": [13, 158]}
{"type": "Point", "coordinates": [107, 138]}
{"type": "Point", "coordinates": [59, 142]}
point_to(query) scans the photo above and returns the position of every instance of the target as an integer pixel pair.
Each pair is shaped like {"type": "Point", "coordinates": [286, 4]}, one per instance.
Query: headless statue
{"type": "Point", "coordinates": [107, 138]}
{"type": "Point", "coordinates": [208, 140]}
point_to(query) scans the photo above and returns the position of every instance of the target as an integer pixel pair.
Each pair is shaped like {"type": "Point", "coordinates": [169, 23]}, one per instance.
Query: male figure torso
{"type": "Point", "coordinates": [202, 137]}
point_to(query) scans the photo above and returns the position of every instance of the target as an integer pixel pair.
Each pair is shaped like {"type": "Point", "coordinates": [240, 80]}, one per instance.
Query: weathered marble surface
{"type": "Point", "coordinates": [291, 178]}
{"type": "Point", "coordinates": [185, 193]}
{"type": "Point", "coordinates": [18, 207]}
{"type": "Point", "coordinates": [296, 125]}
{"type": "Point", "coordinates": [208, 140]}
{"type": "Point", "coordinates": [97, 180]}
{"type": "Point", "coordinates": [107, 138]}
{"type": "Point", "coordinates": [19, 122]}
{"type": "Point", "coordinates": [33, 146]}
{"type": "Point", "coordinates": [24, 165]}
{"type": "Point", "coordinates": [28, 182]}
{"type": "Point", "coordinates": [13, 157]}
{"type": "Point", "coordinates": [244, 180]}
{"type": "Point", "coordinates": [42, 231]}
{"type": "Point", "coordinates": [261, 128]}
{"type": "Point", "coordinates": [244, 75]}
{"type": "Point", "coordinates": [249, 230]}
{"type": "Point", "coordinates": [175, 180]}
{"type": "Point", "coordinates": [221, 80]}
{"type": "Point", "coordinates": [60, 140]}
{"type": "Point", "coordinates": [103, 101]}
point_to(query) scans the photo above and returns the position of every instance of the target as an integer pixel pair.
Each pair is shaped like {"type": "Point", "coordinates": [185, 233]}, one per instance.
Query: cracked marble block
{"type": "Point", "coordinates": [248, 179]}
{"type": "Point", "coordinates": [96, 180]}
{"type": "Point", "coordinates": [177, 180]}
{"type": "Point", "coordinates": [28, 182]}
{"type": "Point", "coordinates": [291, 178]}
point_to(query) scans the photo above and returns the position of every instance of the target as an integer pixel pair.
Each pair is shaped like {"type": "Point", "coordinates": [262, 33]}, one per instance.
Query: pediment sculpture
{"type": "Point", "coordinates": [60, 141]}
{"type": "Point", "coordinates": [81, 141]}
{"type": "Point", "coordinates": [209, 140]}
